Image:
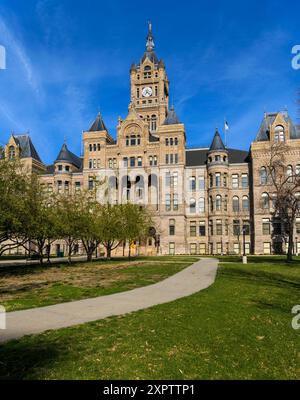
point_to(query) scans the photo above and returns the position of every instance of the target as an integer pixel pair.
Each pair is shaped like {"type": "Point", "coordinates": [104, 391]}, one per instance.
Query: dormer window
{"type": "Point", "coordinates": [279, 134]}
{"type": "Point", "coordinates": [11, 152]}
{"type": "Point", "coordinates": [60, 167]}
{"type": "Point", "coordinates": [67, 168]}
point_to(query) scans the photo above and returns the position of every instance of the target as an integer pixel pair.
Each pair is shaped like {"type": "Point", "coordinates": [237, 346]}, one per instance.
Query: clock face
{"type": "Point", "coordinates": [147, 92]}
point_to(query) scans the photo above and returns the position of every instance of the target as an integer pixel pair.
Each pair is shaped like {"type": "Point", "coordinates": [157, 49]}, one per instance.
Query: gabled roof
{"type": "Point", "coordinates": [27, 149]}
{"type": "Point", "coordinates": [172, 118]}
{"type": "Point", "coordinates": [98, 124]}
{"type": "Point", "coordinates": [65, 155]}
{"type": "Point", "coordinates": [217, 143]}
{"type": "Point", "coordinates": [263, 134]}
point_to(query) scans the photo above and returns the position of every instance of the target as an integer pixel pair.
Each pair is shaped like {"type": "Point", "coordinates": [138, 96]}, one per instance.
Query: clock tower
{"type": "Point", "coordinates": [149, 87]}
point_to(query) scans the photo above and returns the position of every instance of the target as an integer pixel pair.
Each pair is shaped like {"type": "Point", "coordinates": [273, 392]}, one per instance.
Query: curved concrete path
{"type": "Point", "coordinates": [192, 279]}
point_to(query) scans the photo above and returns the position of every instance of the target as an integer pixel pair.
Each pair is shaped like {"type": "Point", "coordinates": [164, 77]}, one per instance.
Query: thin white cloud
{"type": "Point", "coordinates": [15, 48]}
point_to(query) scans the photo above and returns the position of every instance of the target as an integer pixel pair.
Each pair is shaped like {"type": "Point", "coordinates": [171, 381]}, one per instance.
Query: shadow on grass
{"type": "Point", "coordinates": [20, 360]}
{"type": "Point", "coordinates": [259, 277]}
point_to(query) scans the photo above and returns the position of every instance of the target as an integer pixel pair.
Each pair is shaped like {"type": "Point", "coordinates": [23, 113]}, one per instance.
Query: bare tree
{"type": "Point", "coordinates": [285, 185]}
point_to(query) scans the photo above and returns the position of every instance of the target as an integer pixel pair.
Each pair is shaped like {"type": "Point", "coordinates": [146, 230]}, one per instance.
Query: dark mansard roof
{"type": "Point", "coordinates": [198, 157]}
{"type": "Point", "coordinates": [172, 118]}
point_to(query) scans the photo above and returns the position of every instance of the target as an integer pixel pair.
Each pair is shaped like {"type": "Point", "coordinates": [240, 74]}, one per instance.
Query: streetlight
{"type": "Point", "coordinates": [244, 246]}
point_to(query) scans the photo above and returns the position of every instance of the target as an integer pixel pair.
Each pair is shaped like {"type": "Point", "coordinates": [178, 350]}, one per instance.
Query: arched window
{"type": "Point", "coordinates": [263, 176]}
{"type": "Point", "coordinates": [192, 205]}
{"type": "Point", "coordinates": [127, 140]}
{"type": "Point", "coordinates": [153, 123]}
{"type": "Point", "coordinates": [11, 152]}
{"type": "Point", "coordinates": [279, 135]}
{"type": "Point", "coordinates": [218, 202]}
{"type": "Point", "coordinates": [245, 203]}
{"type": "Point", "coordinates": [235, 204]}
{"type": "Point", "coordinates": [201, 205]}
{"type": "Point", "coordinates": [265, 201]}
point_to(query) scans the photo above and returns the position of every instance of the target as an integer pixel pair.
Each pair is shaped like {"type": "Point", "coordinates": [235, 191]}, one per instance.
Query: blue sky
{"type": "Point", "coordinates": [66, 60]}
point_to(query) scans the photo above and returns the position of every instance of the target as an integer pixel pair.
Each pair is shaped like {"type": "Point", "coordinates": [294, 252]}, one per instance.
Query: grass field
{"type": "Point", "coordinates": [239, 328]}
{"type": "Point", "coordinates": [35, 286]}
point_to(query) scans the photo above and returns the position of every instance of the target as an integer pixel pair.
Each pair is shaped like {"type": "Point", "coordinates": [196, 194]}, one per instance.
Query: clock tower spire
{"type": "Point", "coordinates": [149, 86]}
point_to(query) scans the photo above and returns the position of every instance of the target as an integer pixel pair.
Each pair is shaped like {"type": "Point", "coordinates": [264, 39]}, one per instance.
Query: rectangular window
{"type": "Point", "coordinates": [172, 227]}
{"type": "Point", "coordinates": [219, 227]}
{"type": "Point", "coordinates": [125, 162]}
{"type": "Point", "coordinates": [193, 229]}
{"type": "Point", "coordinates": [171, 158]}
{"type": "Point", "coordinates": [150, 161]}
{"type": "Point", "coordinates": [236, 227]}
{"type": "Point", "coordinates": [192, 183]}
{"type": "Point", "coordinates": [245, 183]}
{"type": "Point", "coordinates": [168, 202]}
{"type": "Point", "coordinates": [298, 226]}
{"type": "Point", "coordinates": [168, 179]}
{"type": "Point", "coordinates": [167, 158]}
{"type": "Point", "coordinates": [175, 202]}
{"type": "Point", "coordinates": [236, 248]}
{"type": "Point", "coordinates": [247, 248]}
{"type": "Point", "coordinates": [246, 227]}
{"type": "Point", "coordinates": [218, 179]}
{"type": "Point", "coordinates": [155, 160]}
{"type": "Point", "coordinates": [193, 248]}
{"type": "Point", "coordinates": [266, 227]}
{"type": "Point", "coordinates": [77, 186]}
{"type": "Point", "coordinates": [201, 183]}
{"type": "Point", "coordinates": [132, 161]}
{"type": "Point", "coordinates": [219, 248]}
{"type": "Point", "coordinates": [202, 228]}
{"type": "Point", "coordinates": [139, 161]}
{"type": "Point", "coordinates": [171, 248]}
{"type": "Point", "coordinates": [267, 248]}
{"type": "Point", "coordinates": [202, 248]}
{"type": "Point", "coordinates": [91, 184]}
{"type": "Point", "coordinates": [235, 181]}
{"type": "Point", "coordinates": [176, 158]}
{"type": "Point", "coordinates": [211, 228]}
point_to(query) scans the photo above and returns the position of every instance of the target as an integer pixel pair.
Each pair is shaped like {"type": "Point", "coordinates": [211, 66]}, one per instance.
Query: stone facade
{"type": "Point", "coordinates": [204, 201]}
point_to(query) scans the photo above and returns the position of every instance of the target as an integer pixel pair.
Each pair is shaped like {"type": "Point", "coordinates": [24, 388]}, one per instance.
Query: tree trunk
{"type": "Point", "coordinates": [108, 252]}
{"type": "Point", "coordinates": [89, 255]}
{"type": "Point", "coordinates": [69, 253]}
{"type": "Point", "coordinates": [48, 253]}
{"type": "Point", "coordinates": [129, 251]}
{"type": "Point", "coordinates": [290, 247]}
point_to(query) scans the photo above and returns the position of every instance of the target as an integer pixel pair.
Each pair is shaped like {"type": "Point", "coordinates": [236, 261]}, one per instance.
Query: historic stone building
{"type": "Point", "coordinates": [204, 201]}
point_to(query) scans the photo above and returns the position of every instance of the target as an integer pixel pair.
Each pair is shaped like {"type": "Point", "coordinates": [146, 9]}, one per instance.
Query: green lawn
{"type": "Point", "coordinates": [239, 328]}
{"type": "Point", "coordinates": [35, 286]}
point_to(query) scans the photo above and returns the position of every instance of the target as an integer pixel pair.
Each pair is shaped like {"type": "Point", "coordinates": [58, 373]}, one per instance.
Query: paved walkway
{"type": "Point", "coordinates": [192, 279]}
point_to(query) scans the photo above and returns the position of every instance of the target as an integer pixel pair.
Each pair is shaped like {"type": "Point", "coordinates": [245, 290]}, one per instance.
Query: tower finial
{"type": "Point", "coordinates": [150, 41]}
